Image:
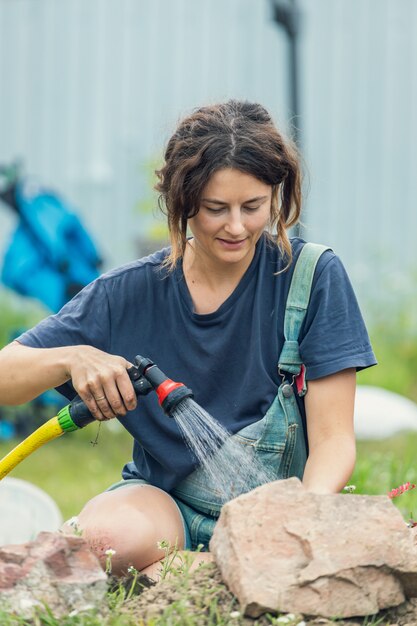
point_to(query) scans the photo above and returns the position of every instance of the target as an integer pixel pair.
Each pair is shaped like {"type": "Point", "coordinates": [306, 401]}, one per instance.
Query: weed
{"type": "Point", "coordinates": [372, 620]}
{"type": "Point", "coordinates": [109, 555]}
{"type": "Point", "coordinates": [134, 572]}
{"type": "Point", "coordinates": [116, 597]}
{"type": "Point", "coordinates": [6, 619]}
{"type": "Point", "coordinates": [349, 488]}
{"type": "Point", "coordinates": [73, 523]}
{"type": "Point", "coordinates": [17, 314]}
{"type": "Point", "coordinates": [398, 491]}
{"type": "Point", "coordinates": [171, 557]}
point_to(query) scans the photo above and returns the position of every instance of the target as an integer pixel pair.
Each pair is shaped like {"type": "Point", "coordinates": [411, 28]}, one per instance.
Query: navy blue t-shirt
{"type": "Point", "coordinates": [228, 358]}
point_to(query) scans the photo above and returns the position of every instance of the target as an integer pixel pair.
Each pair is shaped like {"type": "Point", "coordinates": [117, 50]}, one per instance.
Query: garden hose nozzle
{"type": "Point", "coordinates": [145, 377]}
{"type": "Point", "coordinates": [169, 393]}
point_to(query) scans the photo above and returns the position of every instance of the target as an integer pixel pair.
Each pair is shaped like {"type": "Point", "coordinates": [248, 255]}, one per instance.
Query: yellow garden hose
{"type": "Point", "coordinates": [71, 417]}
{"type": "Point", "coordinates": [48, 431]}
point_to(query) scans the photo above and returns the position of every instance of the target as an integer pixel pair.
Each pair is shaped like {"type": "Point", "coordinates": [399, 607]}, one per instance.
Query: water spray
{"type": "Point", "coordinates": [145, 377]}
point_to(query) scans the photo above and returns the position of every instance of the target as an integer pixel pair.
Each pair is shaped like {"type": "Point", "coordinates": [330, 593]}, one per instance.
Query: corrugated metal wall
{"type": "Point", "coordinates": [91, 89]}
{"type": "Point", "coordinates": [360, 98]}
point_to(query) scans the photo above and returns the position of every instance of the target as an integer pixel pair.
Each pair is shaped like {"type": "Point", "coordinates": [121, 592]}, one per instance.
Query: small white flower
{"type": "Point", "coordinates": [283, 620]}
{"type": "Point", "coordinates": [234, 614]}
{"type": "Point", "coordinates": [110, 552]}
{"type": "Point", "coordinates": [349, 488]}
{"type": "Point", "coordinates": [132, 570]}
{"type": "Point", "coordinates": [302, 623]}
{"type": "Point", "coordinates": [290, 616]}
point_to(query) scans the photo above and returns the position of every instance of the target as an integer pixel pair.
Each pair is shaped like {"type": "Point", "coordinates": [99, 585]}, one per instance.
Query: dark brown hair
{"type": "Point", "coordinates": [235, 134]}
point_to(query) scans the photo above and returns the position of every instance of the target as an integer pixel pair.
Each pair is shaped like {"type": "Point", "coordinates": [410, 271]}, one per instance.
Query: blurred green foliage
{"type": "Point", "coordinates": [386, 464]}
{"type": "Point", "coordinates": [381, 466]}
{"type": "Point", "coordinates": [393, 332]}
{"type": "Point", "coordinates": [73, 468]}
{"type": "Point", "coordinates": [397, 368]}
{"type": "Point", "coordinates": [147, 206]}
{"type": "Point", "coordinates": [17, 314]}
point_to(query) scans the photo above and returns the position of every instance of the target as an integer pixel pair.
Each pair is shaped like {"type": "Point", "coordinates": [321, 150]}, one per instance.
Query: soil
{"type": "Point", "coordinates": [203, 595]}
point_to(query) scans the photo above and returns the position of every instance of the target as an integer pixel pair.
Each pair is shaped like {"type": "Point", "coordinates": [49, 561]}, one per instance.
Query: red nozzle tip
{"type": "Point", "coordinates": [165, 389]}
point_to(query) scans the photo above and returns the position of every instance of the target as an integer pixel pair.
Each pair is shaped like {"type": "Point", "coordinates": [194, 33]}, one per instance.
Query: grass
{"type": "Point", "coordinates": [393, 334]}
{"type": "Point", "coordinates": [17, 314]}
{"type": "Point", "coordinates": [384, 465]}
{"type": "Point", "coordinates": [72, 470]}
{"type": "Point", "coordinates": [212, 605]}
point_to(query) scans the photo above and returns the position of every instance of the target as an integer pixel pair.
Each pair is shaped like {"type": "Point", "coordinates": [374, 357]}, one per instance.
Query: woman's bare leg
{"type": "Point", "coordinates": [131, 521]}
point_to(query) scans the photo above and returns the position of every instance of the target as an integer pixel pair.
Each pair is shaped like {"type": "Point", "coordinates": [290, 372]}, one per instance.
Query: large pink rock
{"type": "Point", "coordinates": [281, 548]}
{"type": "Point", "coordinates": [55, 570]}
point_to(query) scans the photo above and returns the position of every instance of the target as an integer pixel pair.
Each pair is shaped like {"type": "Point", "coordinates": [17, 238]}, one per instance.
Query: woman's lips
{"type": "Point", "coordinates": [231, 244]}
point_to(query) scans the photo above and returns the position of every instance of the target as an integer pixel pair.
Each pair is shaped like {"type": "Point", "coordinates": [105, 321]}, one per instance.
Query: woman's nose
{"type": "Point", "coordinates": [234, 224]}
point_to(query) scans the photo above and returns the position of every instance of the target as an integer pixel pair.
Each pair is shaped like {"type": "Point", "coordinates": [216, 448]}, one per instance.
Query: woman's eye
{"type": "Point", "coordinates": [219, 209]}
{"type": "Point", "coordinates": [214, 209]}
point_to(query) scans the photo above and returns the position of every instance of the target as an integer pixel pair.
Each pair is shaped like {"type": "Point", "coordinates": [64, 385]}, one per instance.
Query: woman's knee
{"type": "Point", "coordinates": [131, 521]}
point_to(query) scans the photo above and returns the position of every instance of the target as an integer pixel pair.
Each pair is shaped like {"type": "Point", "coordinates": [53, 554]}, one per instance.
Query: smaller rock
{"type": "Point", "coordinates": [55, 570]}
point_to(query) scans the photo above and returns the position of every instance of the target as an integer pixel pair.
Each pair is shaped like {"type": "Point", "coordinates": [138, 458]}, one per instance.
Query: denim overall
{"type": "Point", "coordinates": [278, 439]}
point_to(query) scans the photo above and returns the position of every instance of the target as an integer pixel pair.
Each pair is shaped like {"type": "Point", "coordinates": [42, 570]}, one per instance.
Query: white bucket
{"type": "Point", "coordinates": [380, 413]}
{"type": "Point", "coordinates": [25, 510]}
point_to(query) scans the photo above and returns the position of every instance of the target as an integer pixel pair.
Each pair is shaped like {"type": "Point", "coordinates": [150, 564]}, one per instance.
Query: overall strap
{"type": "Point", "coordinates": [296, 306]}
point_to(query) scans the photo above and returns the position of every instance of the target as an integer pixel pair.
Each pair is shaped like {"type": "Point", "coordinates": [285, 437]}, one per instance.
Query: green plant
{"type": "Point", "coordinates": [393, 333]}
{"type": "Point", "coordinates": [373, 621]}
{"type": "Point", "coordinates": [174, 563]}
{"type": "Point", "coordinates": [156, 229]}
{"type": "Point", "coordinates": [383, 465]}
{"type": "Point", "coordinates": [73, 522]}
{"type": "Point", "coordinates": [109, 556]}
{"type": "Point", "coordinates": [71, 484]}
{"type": "Point", "coordinates": [7, 619]}
{"type": "Point", "coordinates": [17, 314]}
{"type": "Point", "coordinates": [202, 600]}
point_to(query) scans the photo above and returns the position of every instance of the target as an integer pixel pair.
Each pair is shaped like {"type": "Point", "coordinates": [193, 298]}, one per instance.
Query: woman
{"type": "Point", "coordinates": [209, 311]}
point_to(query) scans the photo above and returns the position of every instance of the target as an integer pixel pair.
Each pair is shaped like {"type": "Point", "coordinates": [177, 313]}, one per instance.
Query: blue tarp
{"type": "Point", "coordinates": [50, 256]}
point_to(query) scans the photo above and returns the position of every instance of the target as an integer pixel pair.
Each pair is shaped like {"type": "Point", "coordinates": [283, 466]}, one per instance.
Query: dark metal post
{"type": "Point", "coordinates": [287, 15]}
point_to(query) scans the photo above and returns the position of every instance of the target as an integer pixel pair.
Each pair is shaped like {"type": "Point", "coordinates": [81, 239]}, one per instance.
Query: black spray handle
{"type": "Point", "coordinates": [79, 412]}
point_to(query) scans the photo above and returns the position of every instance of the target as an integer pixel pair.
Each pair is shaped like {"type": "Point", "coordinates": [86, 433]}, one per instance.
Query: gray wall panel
{"type": "Point", "coordinates": [92, 89]}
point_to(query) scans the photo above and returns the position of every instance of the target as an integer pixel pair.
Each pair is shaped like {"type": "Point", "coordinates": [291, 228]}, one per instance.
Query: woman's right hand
{"type": "Point", "coordinates": [102, 381]}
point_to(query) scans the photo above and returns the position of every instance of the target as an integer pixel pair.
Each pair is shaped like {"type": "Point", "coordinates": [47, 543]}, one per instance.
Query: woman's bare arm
{"type": "Point", "coordinates": [99, 378]}
{"type": "Point", "coordinates": [329, 408]}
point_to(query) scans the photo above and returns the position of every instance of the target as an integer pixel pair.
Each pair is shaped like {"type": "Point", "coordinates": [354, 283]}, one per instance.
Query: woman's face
{"type": "Point", "coordinates": [234, 210]}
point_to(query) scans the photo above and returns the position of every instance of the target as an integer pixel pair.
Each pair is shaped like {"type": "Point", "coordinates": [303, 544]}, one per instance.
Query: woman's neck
{"type": "Point", "coordinates": [205, 269]}
{"type": "Point", "coordinates": [210, 283]}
